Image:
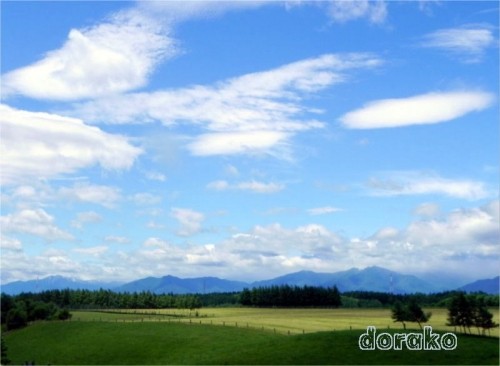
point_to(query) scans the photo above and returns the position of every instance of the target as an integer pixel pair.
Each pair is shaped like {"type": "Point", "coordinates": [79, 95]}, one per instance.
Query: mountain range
{"type": "Point", "coordinates": [367, 279]}
{"type": "Point", "coordinates": [55, 283]}
{"type": "Point", "coordinates": [490, 286]}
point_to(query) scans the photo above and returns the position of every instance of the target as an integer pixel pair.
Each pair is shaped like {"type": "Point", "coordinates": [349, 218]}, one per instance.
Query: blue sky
{"type": "Point", "coordinates": [247, 140]}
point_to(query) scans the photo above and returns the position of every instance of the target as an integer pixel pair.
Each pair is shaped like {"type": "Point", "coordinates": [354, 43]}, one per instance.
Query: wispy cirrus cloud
{"type": "Point", "coordinates": [114, 56]}
{"type": "Point", "coordinates": [343, 11]}
{"type": "Point", "coordinates": [421, 109]}
{"type": "Point", "coordinates": [323, 210]}
{"type": "Point", "coordinates": [257, 113]}
{"type": "Point", "coordinates": [468, 42]}
{"type": "Point", "coordinates": [420, 183]}
{"type": "Point", "coordinates": [38, 145]}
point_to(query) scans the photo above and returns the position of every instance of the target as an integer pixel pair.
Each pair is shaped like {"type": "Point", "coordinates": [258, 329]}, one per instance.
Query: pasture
{"type": "Point", "coordinates": [231, 336]}
{"type": "Point", "coordinates": [279, 320]}
{"type": "Point", "coordinates": [150, 343]}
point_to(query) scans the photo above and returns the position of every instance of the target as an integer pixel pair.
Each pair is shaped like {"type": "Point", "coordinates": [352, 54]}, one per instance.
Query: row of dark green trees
{"type": "Point", "coordinates": [291, 296]}
{"type": "Point", "coordinates": [18, 311]}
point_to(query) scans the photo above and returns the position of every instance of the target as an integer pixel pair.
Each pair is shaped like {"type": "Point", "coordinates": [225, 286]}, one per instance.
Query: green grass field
{"type": "Point", "coordinates": [295, 321]}
{"type": "Point", "coordinates": [317, 336]}
{"type": "Point", "coordinates": [109, 343]}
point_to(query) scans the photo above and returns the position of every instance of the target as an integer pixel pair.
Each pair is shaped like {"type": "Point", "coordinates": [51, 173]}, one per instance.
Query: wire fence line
{"type": "Point", "coordinates": [192, 321]}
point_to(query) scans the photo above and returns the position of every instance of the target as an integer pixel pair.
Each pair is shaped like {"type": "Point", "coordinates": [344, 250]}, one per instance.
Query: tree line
{"type": "Point", "coordinates": [107, 299]}
{"type": "Point", "coordinates": [367, 299]}
{"type": "Point", "coordinates": [291, 296]}
{"type": "Point", "coordinates": [18, 311]}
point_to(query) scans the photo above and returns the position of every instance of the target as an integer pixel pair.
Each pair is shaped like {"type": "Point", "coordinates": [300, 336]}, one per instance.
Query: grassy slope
{"type": "Point", "coordinates": [163, 343]}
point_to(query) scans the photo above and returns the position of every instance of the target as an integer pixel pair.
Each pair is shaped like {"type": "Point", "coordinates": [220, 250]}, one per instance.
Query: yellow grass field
{"type": "Point", "coordinates": [276, 319]}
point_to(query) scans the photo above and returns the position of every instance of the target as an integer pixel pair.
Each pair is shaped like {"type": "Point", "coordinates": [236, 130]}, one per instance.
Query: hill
{"type": "Point", "coordinates": [489, 286]}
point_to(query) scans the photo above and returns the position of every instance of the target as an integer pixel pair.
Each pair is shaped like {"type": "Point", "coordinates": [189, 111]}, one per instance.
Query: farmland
{"type": "Point", "coordinates": [295, 321]}
{"type": "Point", "coordinates": [231, 336]}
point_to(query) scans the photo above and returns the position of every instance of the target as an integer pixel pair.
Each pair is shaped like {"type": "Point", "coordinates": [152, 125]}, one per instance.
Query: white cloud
{"type": "Point", "coordinates": [465, 240]}
{"type": "Point", "coordinates": [469, 42]}
{"type": "Point", "coordinates": [252, 186]}
{"type": "Point", "coordinates": [219, 185]}
{"type": "Point", "coordinates": [231, 143]}
{"type": "Point", "coordinates": [472, 231]}
{"type": "Point", "coordinates": [38, 145]}
{"type": "Point", "coordinates": [231, 170]}
{"type": "Point", "coordinates": [35, 222]}
{"type": "Point", "coordinates": [260, 187]}
{"type": "Point", "coordinates": [421, 109]}
{"type": "Point", "coordinates": [145, 199]}
{"type": "Point", "coordinates": [465, 243]}
{"type": "Point", "coordinates": [19, 266]}
{"type": "Point", "coordinates": [92, 251]}
{"type": "Point", "coordinates": [387, 233]}
{"type": "Point", "coordinates": [83, 218]}
{"type": "Point", "coordinates": [427, 209]}
{"type": "Point", "coordinates": [10, 244]}
{"type": "Point", "coordinates": [154, 225]}
{"type": "Point", "coordinates": [255, 113]}
{"type": "Point", "coordinates": [98, 194]}
{"type": "Point", "coordinates": [418, 183]}
{"type": "Point", "coordinates": [190, 221]}
{"type": "Point", "coordinates": [108, 58]}
{"type": "Point", "coordinates": [342, 11]}
{"type": "Point", "coordinates": [156, 176]}
{"type": "Point", "coordinates": [323, 210]}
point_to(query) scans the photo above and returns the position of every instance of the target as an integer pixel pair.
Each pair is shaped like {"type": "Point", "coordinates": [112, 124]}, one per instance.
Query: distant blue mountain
{"type": "Point", "coordinates": [368, 279]}
{"type": "Point", "coordinates": [171, 284]}
{"type": "Point", "coordinates": [489, 286]}
{"type": "Point", "coordinates": [354, 279]}
{"type": "Point", "coordinates": [54, 283]}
